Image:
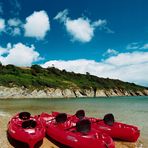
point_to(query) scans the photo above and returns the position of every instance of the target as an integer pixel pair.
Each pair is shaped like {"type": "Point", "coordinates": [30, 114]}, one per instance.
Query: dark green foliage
{"type": "Point", "coordinates": [10, 69]}
{"type": "Point", "coordinates": [38, 77]}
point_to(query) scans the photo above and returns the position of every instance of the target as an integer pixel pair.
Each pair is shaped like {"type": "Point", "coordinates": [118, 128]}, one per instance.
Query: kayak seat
{"type": "Point", "coordinates": [29, 124]}
{"type": "Point", "coordinates": [61, 118]}
{"type": "Point", "coordinates": [109, 119]}
{"type": "Point", "coordinates": [83, 126]}
{"type": "Point", "coordinates": [80, 114]}
{"type": "Point", "coordinates": [24, 115]}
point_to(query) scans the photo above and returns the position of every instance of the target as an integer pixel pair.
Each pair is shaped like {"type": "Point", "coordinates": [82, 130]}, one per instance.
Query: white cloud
{"type": "Point", "coordinates": [137, 46]}
{"type": "Point", "coordinates": [133, 46]}
{"type": "Point", "coordinates": [133, 58]}
{"type": "Point", "coordinates": [14, 22]}
{"type": "Point", "coordinates": [9, 46]}
{"type": "Point", "coordinates": [20, 55]}
{"type": "Point", "coordinates": [145, 46]}
{"type": "Point", "coordinates": [81, 29]}
{"type": "Point", "coordinates": [16, 31]}
{"type": "Point", "coordinates": [37, 25]}
{"type": "Point", "coordinates": [62, 16]}
{"type": "Point", "coordinates": [132, 67]}
{"type": "Point", "coordinates": [100, 23]}
{"type": "Point", "coordinates": [14, 26]}
{"type": "Point", "coordinates": [3, 50]}
{"type": "Point", "coordinates": [2, 24]}
{"type": "Point", "coordinates": [111, 52]}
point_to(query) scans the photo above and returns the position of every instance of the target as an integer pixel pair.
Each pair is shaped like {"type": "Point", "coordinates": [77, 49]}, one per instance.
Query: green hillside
{"type": "Point", "coordinates": [38, 77]}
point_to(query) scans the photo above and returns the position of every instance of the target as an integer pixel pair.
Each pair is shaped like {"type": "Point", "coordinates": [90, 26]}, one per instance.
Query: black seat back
{"type": "Point", "coordinates": [83, 126]}
{"type": "Point", "coordinates": [61, 118]}
{"type": "Point", "coordinates": [80, 114]}
{"type": "Point", "coordinates": [24, 115]}
{"type": "Point", "coordinates": [109, 119]}
{"type": "Point", "coordinates": [29, 124]}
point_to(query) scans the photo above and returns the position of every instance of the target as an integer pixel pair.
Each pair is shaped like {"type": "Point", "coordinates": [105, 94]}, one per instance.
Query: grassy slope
{"type": "Point", "coordinates": [37, 77]}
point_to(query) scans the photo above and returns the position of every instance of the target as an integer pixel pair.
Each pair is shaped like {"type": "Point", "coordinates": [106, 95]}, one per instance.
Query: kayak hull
{"type": "Point", "coordinates": [118, 130]}
{"type": "Point", "coordinates": [67, 136]}
{"type": "Point", "coordinates": [28, 136]}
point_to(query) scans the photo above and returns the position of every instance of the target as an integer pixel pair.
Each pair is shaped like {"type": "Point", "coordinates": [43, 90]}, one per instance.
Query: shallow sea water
{"type": "Point", "coordinates": [130, 110]}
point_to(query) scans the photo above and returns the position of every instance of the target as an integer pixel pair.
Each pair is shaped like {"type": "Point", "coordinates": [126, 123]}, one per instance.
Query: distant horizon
{"type": "Point", "coordinates": [104, 38]}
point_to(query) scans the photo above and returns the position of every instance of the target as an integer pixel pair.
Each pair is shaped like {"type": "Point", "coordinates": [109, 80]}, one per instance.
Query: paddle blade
{"type": "Point", "coordinates": [83, 126]}
{"type": "Point", "coordinates": [80, 114]}
{"type": "Point", "coordinates": [109, 119]}
{"type": "Point", "coordinates": [61, 118]}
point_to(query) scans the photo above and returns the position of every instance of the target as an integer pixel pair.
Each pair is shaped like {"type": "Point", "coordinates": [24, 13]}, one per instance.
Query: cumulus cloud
{"type": "Point", "coordinates": [14, 26]}
{"type": "Point", "coordinates": [2, 24]}
{"type": "Point", "coordinates": [123, 59]}
{"type": "Point", "coordinates": [130, 67]}
{"type": "Point", "coordinates": [19, 54]}
{"type": "Point", "coordinates": [81, 29]}
{"type": "Point", "coordinates": [37, 25]}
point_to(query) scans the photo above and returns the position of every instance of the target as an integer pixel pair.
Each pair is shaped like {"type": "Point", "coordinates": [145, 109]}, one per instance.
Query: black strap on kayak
{"type": "Point", "coordinates": [24, 115]}
{"type": "Point", "coordinates": [61, 118]}
{"type": "Point", "coordinates": [83, 126]}
{"type": "Point", "coordinates": [29, 124]}
{"type": "Point", "coordinates": [80, 114]}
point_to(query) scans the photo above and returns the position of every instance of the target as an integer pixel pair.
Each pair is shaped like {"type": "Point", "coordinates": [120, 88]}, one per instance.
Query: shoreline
{"type": "Point", "coordinates": [99, 97]}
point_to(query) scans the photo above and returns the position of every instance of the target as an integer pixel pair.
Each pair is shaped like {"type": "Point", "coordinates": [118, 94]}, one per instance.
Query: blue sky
{"type": "Point", "coordinates": [105, 38]}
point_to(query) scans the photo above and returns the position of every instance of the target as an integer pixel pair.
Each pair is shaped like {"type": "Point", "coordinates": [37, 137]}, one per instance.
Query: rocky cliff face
{"type": "Point", "coordinates": [21, 92]}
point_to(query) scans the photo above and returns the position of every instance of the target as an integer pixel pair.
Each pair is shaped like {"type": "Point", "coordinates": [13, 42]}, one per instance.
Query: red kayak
{"type": "Point", "coordinates": [116, 130]}
{"type": "Point", "coordinates": [26, 129]}
{"type": "Point", "coordinates": [75, 135]}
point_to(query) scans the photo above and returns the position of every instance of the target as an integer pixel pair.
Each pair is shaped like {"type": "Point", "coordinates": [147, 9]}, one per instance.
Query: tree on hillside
{"type": "Point", "coordinates": [37, 68]}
